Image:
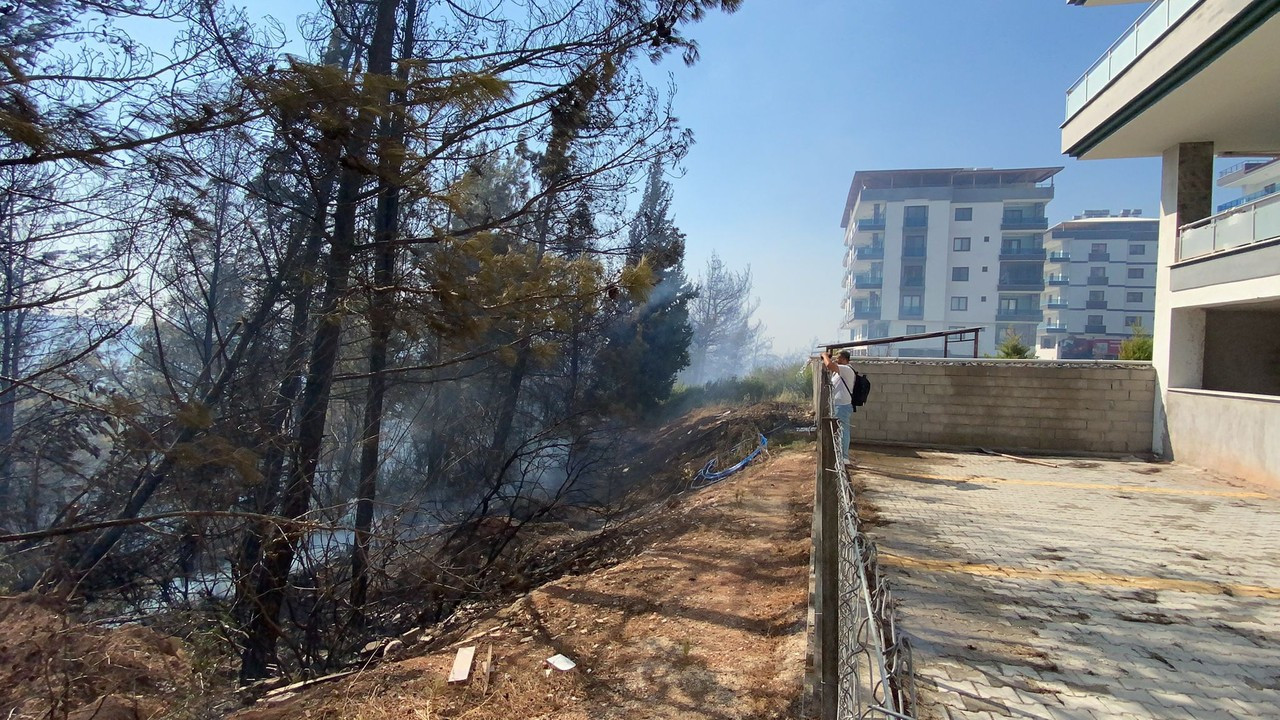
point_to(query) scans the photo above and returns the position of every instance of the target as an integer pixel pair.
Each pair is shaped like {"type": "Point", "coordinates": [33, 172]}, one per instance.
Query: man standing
{"type": "Point", "coordinates": [842, 380]}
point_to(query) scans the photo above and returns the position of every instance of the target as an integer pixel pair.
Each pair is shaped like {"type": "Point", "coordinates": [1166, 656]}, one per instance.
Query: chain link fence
{"type": "Point", "coordinates": [862, 664]}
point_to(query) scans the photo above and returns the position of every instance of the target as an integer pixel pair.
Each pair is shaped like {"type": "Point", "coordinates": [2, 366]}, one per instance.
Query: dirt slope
{"type": "Point", "coordinates": [704, 619]}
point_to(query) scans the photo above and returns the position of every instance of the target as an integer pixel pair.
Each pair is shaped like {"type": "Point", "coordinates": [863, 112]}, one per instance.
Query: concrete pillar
{"type": "Point", "coordinates": [1186, 195]}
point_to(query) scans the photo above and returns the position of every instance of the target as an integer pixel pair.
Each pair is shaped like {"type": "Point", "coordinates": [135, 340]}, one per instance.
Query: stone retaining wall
{"type": "Point", "coordinates": [1089, 407]}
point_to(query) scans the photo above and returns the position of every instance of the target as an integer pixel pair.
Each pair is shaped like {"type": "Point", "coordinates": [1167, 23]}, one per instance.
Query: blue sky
{"type": "Point", "coordinates": [791, 97]}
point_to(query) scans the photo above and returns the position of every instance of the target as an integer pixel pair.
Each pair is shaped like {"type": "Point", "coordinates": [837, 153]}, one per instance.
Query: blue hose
{"type": "Point", "coordinates": [709, 475]}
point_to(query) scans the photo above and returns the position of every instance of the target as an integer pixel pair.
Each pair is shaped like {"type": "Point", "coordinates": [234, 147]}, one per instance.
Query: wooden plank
{"type": "Point", "coordinates": [462, 664]}
{"type": "Point", "coordinates": [486, 669]}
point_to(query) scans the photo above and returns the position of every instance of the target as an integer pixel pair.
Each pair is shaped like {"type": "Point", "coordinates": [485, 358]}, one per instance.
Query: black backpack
{"type": "Point", "coordinates": [861, 389]}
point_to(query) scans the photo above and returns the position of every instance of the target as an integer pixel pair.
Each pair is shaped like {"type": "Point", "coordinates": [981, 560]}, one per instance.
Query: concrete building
{"type": "Point", "coordinates": [1191, 81]}
{"type": "Point", "coordinates": [941, 249]}
{"type": "Point", "coordinates": [1100, 279]}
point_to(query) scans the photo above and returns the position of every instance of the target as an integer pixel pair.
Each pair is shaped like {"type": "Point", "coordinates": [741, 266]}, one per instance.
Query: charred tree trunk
{"type": "Point", "coordinates": [262, 630]}
{"type": "Point", "coordinates": [381, 319]}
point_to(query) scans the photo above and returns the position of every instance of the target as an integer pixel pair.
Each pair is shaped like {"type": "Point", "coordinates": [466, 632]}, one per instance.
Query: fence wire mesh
{"type": "Point", "coordinates": [875, 677]}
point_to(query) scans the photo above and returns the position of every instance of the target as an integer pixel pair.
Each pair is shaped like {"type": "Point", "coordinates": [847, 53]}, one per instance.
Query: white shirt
{"type": "Point", "coordinates": [839, 392]}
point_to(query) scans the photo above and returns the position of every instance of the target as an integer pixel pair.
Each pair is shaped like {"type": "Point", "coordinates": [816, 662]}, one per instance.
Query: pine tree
{"type": "Point", "coordinates": [649, 339]}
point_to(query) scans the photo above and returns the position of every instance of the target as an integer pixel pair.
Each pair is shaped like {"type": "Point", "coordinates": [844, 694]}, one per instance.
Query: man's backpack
{"type": "Point", "coordinates": [861, 389]}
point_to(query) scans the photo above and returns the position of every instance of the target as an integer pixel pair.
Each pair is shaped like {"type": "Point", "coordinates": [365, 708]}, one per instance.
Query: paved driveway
{"type": "Point", "coordinates": [1093, 589]}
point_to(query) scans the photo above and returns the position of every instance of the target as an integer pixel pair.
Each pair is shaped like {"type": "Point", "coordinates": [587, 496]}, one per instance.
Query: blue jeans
{"type": "Point", "coordinates": [844, 413]}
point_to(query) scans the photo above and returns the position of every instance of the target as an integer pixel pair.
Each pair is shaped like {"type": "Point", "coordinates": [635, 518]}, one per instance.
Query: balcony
{"type": "Point", "coordinates": [1144, 33]}
{"type": "Point", "coordinates": [1031, 283]}
{"type": "Point", "coordinates": [1056, 279]}
{"type": "Point", "coordinates": [1023, 254]}
{"type": "Point", "coordinates": [915, 222]}
{"type": "Point", "coordinates": [869, 252]}
{"type": "Point", "coordinates": [1059, 257]}
{"type": "Point", "coordinates": [1055, 328]}
{"type": "Point", "coordinates": [1251, 197]}
{"type": "Point", "coordinates": [914, 252]}
{"type": "Point", "coordinates": [875, 223]}
{"type": "Point", "coordinates": [1244, 225]}
{"type": "Point", "coordinates": [1057, 304]}
{"type": "Point", "coordinates": [911, 313]}
{"type": "Point", "coordinates": [913, 282]}
{"type": "Point", "coordinates": [1095, 304]}
{"type": "Point", "coordinates": [1020, 315]}
{"type": "Point", "coordinates": [1099, 280]}
{"type": "Point", "coordinates": [1099, 257]}
{"type": "Point", "coordinates": [865, 311]}
{"type": "Point", "coordinates": [1017, 222]}
{"type": "Point", "coordinates": [1096, 329]}
{"type": "Point", "coordinates": [866, 281]}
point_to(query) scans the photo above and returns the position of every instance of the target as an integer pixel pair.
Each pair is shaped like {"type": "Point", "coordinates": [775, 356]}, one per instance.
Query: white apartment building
{"type": "Point", "coordinates": [943, 249]}
{"type": "Point", "coordinates": [1100, 279]}
{"type": "Point", "coordinates": [1192, 80]}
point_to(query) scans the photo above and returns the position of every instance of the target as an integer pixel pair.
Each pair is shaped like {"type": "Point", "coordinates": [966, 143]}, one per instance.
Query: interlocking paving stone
{"type": "Point", "coordinates": [1095, 589]}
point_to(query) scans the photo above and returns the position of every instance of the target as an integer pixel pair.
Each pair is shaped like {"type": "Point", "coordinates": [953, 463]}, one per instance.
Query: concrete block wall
{"type": "Point", "coordinates": [1062, 406]}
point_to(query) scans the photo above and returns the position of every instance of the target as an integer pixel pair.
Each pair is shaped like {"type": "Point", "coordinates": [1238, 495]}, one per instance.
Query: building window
{"type": "Point", "coordinates": [1135, 273]}
{"type": "Point", "coordinates": [911, 303]}
{"type": "Point", "coordinates": [1096, 295]}
{"type": "Point", "coordinates": [982, 299]}
{"type": "Point", "coordinates": [915, 215]}
{"type": "Point", "coordinates": [915, 329]}
{"type": "Point", "coordinates": [960, 244]}
{"type": "Point", "coordinates": [1137, 249]}
{"type": "Point", "coordinates": [1097, 271]}
{"type": "Point", "coordinates": [1095, 319]}
{"type": "Point", "coordinates": [986, 238]}
{"type": "Point", "coordinates": [1046, 343]}
{"type": "Point", "coordinates": [964, 213]}
{"type": "Point", "coordinates": [1008, 305]}
{"type": "Point", "coordinates": [959, 303]}
{"type": "Point", "coordinates": [1133, 297]}
{"type": "Point", "coordinates": [960, 274]}
{"type": "Point", "coordinates": [1131, 320]}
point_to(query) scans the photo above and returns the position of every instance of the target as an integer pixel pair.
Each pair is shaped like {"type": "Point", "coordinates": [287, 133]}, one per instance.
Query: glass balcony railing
{"type": "Point", "coordinates": [1020, 314]}
{"type": "Point", "coordinates": [1055, 279]}
{"type": "Point", "coordinates": [863, 281]}
{"type": "Point", "coordinates": [1057, 304]}
{"type": "Point", "coordinates": [1251, 197]}
{"type": "Point", "coordinates": [1016, 222]}
{"type": "Point", "coordinates": [1055, 328]}
{"type": "Point", "coordinates": [875, 223]}
{"type": "Point", "coordinates": [1142, 34]}
{"type": "Point", "coordinates": [869, 252]}
{"type": "Point", "coordinates": [1239, 226]}
{"type": "Point", "coordinates": [1024, 253]}
{"type": "Point", "coordinates": [1059, 257]}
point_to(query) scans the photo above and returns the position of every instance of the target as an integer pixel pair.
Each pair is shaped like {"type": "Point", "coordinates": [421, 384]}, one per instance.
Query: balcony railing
{"type": "Point", "coordinates": [866, 312]}
{"type": "Point", "coordinates": [1251, 197]}
{"type": "Point", "coordinates": [868, 282]}
{"type": "Point", "coordinates": [910, 313]}
{"type": "Point", "coordinates": [1055, 328]}
{"type": "Point", "coordinates": [1099, 329]}
{"type": "Point", "coordinates": [875, 223]}
{"type": "Point", "coordinates": [1020, 284]}
{"type": "Point", "coordinates": [1095, 304]}
{"type": "Point", "coordinates": [913, 282]}
{"type": "Point", "coordinates": [1015, 222]}
{"type": "Point", "coordinates": [1099, 257]}
{"type": "Point", "coordinates": [1020, 315]}
{"type": "Point", "coordinates": [1059, 257]}
{"type": "Point", "coordinates": [1099, 280]}
{"type": "Point", "coordinates": [1055, 279]}
{"type": "Point", "coordinates": [1244, 225]}
{"type": "Point", "coordinates": [1057, 304]}
{"type": "Point", "coordinates": [869, 252]}
{"type": "Point", "coordinates": [1026, 254]}
{"type": "Point", "coordinates": [913, 252]}
{"type": "Point", "coordinates": [915, 222]}
{"type": "Point", "coordinates": [1144, 33]}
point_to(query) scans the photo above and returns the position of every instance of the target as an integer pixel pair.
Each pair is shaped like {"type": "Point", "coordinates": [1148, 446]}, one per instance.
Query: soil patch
{"type": "Point", "coordinates": [705, 619]}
